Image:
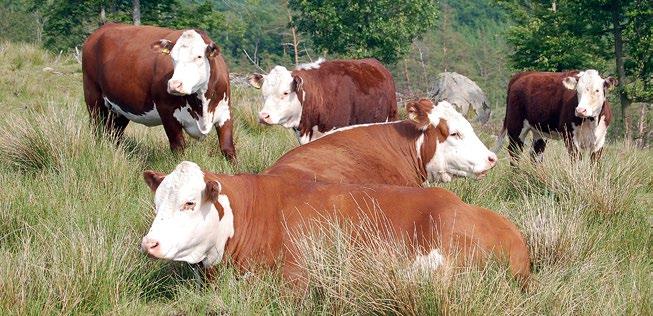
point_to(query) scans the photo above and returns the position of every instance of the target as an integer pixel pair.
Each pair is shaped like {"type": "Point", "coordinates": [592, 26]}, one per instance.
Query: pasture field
{"type": "Point", "coordinates": [73, 209]}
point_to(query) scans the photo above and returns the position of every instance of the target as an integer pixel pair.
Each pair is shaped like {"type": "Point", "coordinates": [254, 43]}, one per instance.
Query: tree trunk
{"type": "Point", "coordinates": [136, 12]}
{"type": "Point", "coordinates": [619, 60]}
{"type": "Point", "coordinates": [103, 15]}
{"type": "Point", "coordinates": [295, 39]}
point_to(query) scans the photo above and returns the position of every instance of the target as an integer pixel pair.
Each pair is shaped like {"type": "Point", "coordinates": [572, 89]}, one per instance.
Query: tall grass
{"type": "Point", "coordinates": [73, 209]}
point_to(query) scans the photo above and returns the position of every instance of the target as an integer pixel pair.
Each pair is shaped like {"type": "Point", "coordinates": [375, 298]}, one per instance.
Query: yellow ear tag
{"type": "Point", "coordinates": [165, 51]}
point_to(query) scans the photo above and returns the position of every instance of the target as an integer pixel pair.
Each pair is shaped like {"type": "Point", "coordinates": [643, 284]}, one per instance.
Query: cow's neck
{"type": "Point", "coordinates": [253, 220]}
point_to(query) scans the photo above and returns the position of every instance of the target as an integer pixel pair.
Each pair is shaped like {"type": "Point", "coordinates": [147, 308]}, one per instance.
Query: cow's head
{"type": "Point", "coordinates": [281, 92]}
{"type": "Point", "coordinates": [448, 147]}
{"type": "Point", "coordinates": [190, 58]}
{"type": "Point", "coordinates": [591, 91]}
{"type": "Point", "coordinates": [193, 218]}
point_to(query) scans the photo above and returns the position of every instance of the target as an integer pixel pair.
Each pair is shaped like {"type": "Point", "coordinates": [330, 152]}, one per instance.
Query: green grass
{"type": "Point", "coordinates": [73, 209]}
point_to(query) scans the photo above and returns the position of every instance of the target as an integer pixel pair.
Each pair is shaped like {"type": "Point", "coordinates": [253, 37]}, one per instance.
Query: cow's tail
{"type": "Point", "coordinates": [500, 140]}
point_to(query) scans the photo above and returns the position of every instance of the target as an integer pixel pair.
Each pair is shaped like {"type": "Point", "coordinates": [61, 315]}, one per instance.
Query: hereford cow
{"type": "Point", "coordinates": [155, 76]}
{"type": "Point", "coordinates": [436, 143]}
{"type": "Point", "coordinates": [569, 105]}
{"type": "Point", "coordinates": [251, 220]}
{"type": "Point", "coordinates": [325, 95]}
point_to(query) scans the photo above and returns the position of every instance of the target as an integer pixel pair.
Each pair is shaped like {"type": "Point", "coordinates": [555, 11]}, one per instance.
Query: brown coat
{"type": "Point", "coordinates": [266, 208]}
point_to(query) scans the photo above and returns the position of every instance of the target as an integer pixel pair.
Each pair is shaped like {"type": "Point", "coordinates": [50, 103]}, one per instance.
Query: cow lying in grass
{"type": "Point", "coordinates": [205, 217]}
{"type": "Point", "coordinates": [436, 143]}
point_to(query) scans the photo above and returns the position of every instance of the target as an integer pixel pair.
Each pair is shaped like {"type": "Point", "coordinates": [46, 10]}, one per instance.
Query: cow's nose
{"type": "Point", "coordinates": [263, 117]}
{"type": "Point", "coordinates": [492, 159]}
{"type": "Point", "coordinates": [149, 244]}
{"type": "Point", "coordinates": [175, 86]}
{"type": "Point", "coordinates": [581, 111]}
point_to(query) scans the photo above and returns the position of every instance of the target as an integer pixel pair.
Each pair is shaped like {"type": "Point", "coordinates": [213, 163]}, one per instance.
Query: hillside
{"type": "Point", "coordinates": [74, 209]}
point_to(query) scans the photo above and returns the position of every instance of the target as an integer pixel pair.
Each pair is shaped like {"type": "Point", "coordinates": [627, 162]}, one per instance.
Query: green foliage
{"type": "Point", "coordinates": [382, 29]}
{"type": "Point", "coordinates": [558, 35]}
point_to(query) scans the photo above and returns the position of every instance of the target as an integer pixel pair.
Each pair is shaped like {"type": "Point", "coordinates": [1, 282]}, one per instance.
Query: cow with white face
{"type": "Point", "coordinates": [590, 90]}
{"type": "Point", "coordinates": [459, 152]}
{"type": "Point", "coordinates": [158, 76]}
{"type": "Point", "coordinates": [436, 143]}
{"type": "Point", "coordinates": [571, 106]}
{"type": "Point", "coordinates": [325, 95]}
{"type": "Point", "coordinates": [256, 221]}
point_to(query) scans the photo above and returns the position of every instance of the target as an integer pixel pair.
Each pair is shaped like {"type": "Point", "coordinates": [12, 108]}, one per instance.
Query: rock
{"type": "Point", "coordinates": [463, 93]}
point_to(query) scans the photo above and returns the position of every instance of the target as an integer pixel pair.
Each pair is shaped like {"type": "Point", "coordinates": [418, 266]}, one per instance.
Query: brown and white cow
{"type": "Point", "coordinates": [436, 143]}
{"type": "Point", "coordinates": [206, 218]}
{"type": "Point", "coordinates": [318, 97]}
{"type": "Point", "coordinates": [153, 76]}
{"type": "Point", "coordinates": [572, 106]}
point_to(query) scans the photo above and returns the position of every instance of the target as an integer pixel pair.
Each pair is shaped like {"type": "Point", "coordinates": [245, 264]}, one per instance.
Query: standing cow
{"type": "Point", "coordinates": [318, 97]}
{"type": "Point", "coordinates": [561, 105]}
{"type": "Point", "coordinates": [155, 76]}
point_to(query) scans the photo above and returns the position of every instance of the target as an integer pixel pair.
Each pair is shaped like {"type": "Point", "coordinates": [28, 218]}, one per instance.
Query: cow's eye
{"type": "Point", "coordinates": [286, 93]}
{"type": "Point", "coordinates": [597, 90]}
{"type": "Point", "coordinates": [199, 57]}
{"type": "Point", "coordinates": [455, 134]}
{"type": "Point", "coordinates": [188, 206]}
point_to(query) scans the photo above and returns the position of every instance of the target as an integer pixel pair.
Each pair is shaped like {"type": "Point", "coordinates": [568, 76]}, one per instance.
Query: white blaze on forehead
{"type": "Point", "coordinates": [462, 153]}
{"type": "Point", "coordinates": [281, 104]}
{"type": "Point", "coordinates": [191, 66]}
{"type": "Point", "coordinates": [190, 235]}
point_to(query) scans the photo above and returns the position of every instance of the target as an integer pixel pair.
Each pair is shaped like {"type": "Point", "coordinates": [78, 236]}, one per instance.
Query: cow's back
{"type": "Point", "coordinates": [379, 154]}
{"type": "Point", "coordinates": [346, 92]}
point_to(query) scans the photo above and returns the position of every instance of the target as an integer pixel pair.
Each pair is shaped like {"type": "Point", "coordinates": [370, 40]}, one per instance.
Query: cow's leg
{"type": "Point", "coordinates": [97, 111]}
{"type": "Point", "coordinates": [539, 144]}
{"type": "Point", "coordinates": [174, 131]}
{"type": "Point", "coordinates": [596, 155]}
{"type": "Point", "coordinates": [571, 148]}
{"type": "Point", "coordinates": [225, 137]}
{"type": "Point", "coordinates": [516, 135]}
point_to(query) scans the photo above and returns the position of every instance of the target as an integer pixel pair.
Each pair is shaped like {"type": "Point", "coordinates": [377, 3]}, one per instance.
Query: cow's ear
{"type": "Point", "coordinates": [213, 189]}
{"type": "Point", "coordinates": [417, 113]}
{"type": "Point", "coordinates": [610, 82]}
{"type": "Point", "coordinates": [256, 80]}
{"type": "Point", "coordinates": [153, 178]}
{"type": "Point", "coordinates": [570, 82]}
{"type": "Point", "coordinates": [162, 46]}
{"type": "Point", "coordinates": [296, 84]}
{"type": "Point", "coordinates": [212, 50]}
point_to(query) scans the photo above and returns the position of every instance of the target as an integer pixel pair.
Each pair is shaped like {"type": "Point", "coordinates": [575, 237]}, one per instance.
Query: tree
{"type": "Point", "coordinates": [383, 29]}
{"type": "Point", "coordinates": [567, 34]}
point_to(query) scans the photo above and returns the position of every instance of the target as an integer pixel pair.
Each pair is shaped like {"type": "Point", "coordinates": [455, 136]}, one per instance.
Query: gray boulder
{"type": "Point", "coordinates": [463, 93]}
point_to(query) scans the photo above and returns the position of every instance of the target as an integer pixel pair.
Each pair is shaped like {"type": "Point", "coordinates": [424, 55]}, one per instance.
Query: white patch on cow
{"type": "Point", "coordinates": [222, 113]}
{"type": "Point", "coordinates": [429, 262]}
{"type": "Point", "coordinates": [462, 153]}
{"type": "Point", "coordinates": [187, 226]}
{"type": "Point", "coordinates": [590, 135]}
{"type": "Point", "coordinates": [191, 65]}
{"type": "Point", "coordinates": [346, 128]}
{"type": "Point", "coordinates": [281, 105]}
{"type": "Point", "coordinates": [150, 118]}
{"type": "Point", "coordinates": [590, 91]}
{"type": "Point", "coordinates": [313, 65]}
{"type": "Point", "coordinates": [418, 145]}
{"type": "Point", "coordinates": [309, 137]}
{"type": "Point", "coordinates": [524, 131]}
{"type": "Point", "coordinates": [193, 127]}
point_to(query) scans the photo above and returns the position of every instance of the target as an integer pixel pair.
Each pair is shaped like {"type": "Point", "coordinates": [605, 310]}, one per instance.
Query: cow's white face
{"type": "Point", "coordinates": [190, 58]}
{"type": "Point", "coordinates": [187, 226]}
{"type": "Point", "coordinates": [590, 90]}
{"type": "Point", "coordinates": [281, 105]}
{"type": "Point", "coordinates": [461, 153]}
